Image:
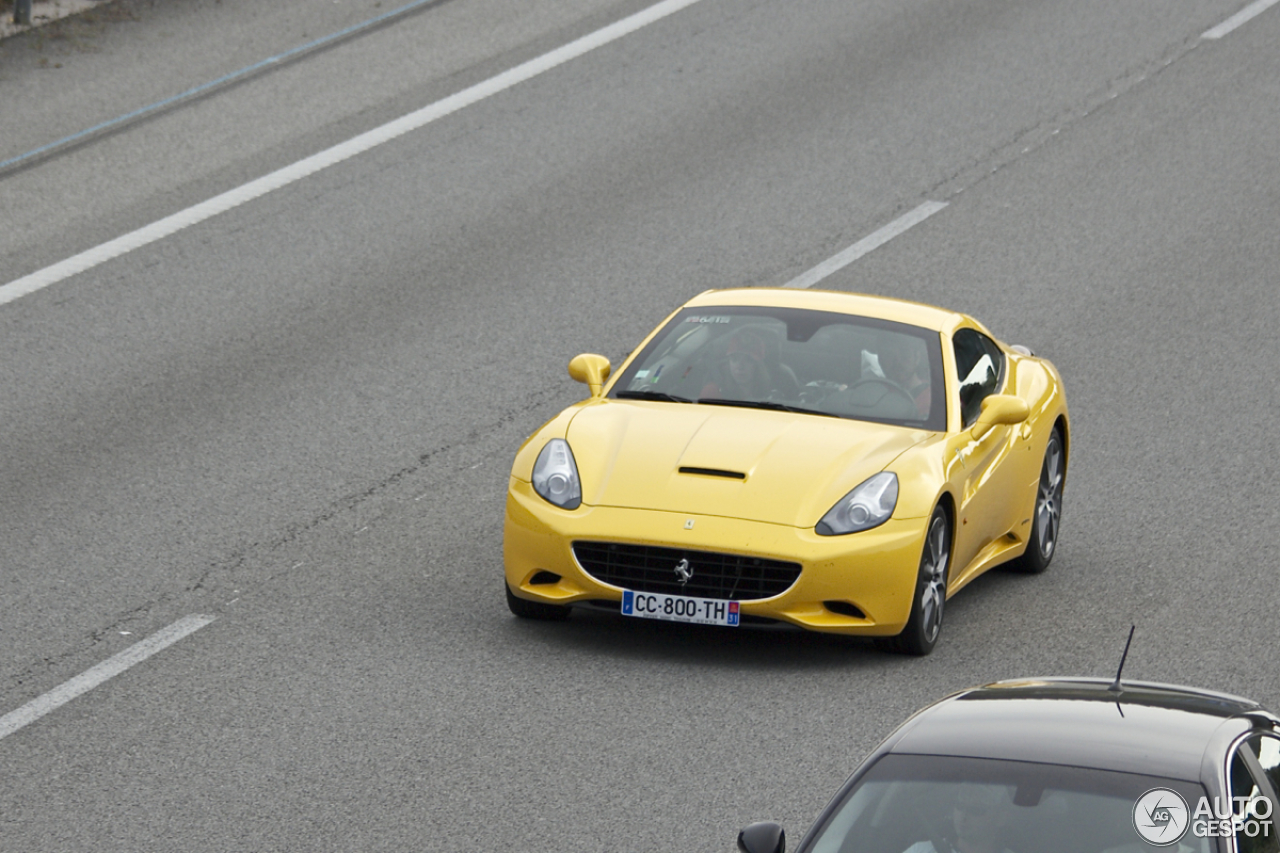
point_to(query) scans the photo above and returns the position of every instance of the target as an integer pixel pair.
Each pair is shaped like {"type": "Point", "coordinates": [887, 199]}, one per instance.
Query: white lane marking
{"type": "Point", "coordinates": [357, 145]}
{"type": "Point", "coordinates": [874, 240]}
{"type": "Point", "coordinates": [92, 677]}
{"type": "Point", "coordinates": [1245, 15]}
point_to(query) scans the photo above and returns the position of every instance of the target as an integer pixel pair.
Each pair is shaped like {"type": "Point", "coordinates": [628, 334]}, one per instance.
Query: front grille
{"type": "Point", "coordinates": [647, 568]}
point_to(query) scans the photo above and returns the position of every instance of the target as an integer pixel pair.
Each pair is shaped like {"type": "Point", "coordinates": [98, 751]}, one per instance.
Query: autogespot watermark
{"type": "Point", "coordinates": [1161, 817]}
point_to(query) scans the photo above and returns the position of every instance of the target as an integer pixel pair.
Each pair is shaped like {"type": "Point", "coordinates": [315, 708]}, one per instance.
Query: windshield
{"type": "Point", "coordinates": [813, 361]}
{"type": "Point", "coordinates": [936, 804]}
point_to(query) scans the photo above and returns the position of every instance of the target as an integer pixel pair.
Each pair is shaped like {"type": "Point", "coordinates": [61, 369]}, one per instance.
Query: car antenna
{"type": "Point", "coordinates": [1115, 685]}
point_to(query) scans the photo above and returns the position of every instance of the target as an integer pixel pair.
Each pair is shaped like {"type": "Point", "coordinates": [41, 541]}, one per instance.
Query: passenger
{"type": "Point", "coordinates": [903, 362]}
{"type": "Point", "coordinates": [744, 374]}
{"type": "Point", "coordinates": [978, 819]}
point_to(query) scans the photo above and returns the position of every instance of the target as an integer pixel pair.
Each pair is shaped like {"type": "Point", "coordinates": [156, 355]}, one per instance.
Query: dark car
{"type": "Point", "coordinates": [1060, 765]}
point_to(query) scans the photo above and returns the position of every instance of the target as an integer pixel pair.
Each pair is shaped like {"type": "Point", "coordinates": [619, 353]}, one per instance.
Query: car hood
{"type": "Point", "coordinates": [775, 467]}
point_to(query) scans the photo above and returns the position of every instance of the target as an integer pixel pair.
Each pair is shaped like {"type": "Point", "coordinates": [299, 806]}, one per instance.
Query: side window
{"type": "Point", "coordinates": [1255, 775]}
{"type": "Point", "coordinates": [979, 368]}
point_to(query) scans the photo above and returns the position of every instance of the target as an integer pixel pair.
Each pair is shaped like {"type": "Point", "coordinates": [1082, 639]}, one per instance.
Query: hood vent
{"type": "Point", "coordinates": [713, 472]}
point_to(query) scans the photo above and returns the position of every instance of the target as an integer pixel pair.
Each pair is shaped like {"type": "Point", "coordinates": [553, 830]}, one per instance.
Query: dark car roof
{"type": "Point", "coordinates": [1155, 729]}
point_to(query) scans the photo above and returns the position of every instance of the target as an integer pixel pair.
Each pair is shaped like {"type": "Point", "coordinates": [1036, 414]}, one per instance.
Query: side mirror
{"type": "Point", "coordinates": [592, 370]}
{"type": "Point", "coordinates": [763, 837]}
{"type": "Point", "coordinates": [1000, 409]}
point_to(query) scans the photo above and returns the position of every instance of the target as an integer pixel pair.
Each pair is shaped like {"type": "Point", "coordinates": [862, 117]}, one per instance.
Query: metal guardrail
{"type": "Point", "coordinates": [279, 60]}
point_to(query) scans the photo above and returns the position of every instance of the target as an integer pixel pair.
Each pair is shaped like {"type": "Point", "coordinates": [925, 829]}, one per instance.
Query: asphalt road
{"type": "Point", "coordinates": [297, 416]}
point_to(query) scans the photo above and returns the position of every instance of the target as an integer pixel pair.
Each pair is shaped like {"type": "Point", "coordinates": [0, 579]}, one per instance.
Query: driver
{"type": "Point", "coordinates": [978, 819]}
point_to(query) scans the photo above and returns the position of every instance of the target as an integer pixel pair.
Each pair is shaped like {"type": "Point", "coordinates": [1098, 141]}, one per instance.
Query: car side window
{"type": "Point", "coordinates": [980, 370]}
{"type": "Point", "coordinates": [1255, 776]}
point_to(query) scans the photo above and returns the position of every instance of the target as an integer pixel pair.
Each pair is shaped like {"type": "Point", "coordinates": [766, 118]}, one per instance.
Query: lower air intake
{"type": "Point", "coordinates": [648, 568]}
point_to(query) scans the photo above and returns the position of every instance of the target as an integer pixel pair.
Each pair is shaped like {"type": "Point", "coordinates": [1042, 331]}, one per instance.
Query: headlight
{"type": "Point", "coordinates": [555, 476]}
{"type": "Point", "coordinates": [867, 506]}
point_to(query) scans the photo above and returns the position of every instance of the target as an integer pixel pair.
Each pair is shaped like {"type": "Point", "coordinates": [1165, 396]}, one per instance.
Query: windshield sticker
{"type": "Point", "coordinates": [709, 320]}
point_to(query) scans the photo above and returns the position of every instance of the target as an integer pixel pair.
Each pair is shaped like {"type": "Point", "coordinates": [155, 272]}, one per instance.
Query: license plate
{"type": "Point", "coordinates": [679, 608]}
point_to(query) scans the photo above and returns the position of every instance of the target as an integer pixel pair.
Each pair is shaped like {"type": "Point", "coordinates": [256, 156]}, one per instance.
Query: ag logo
{"type": "Point", "coordinates": [1160, 817]}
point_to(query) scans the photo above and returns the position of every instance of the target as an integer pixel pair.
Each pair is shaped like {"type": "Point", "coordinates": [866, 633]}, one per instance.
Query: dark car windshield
{"type": "Point", "coordinates": [941, 804]}
{"type": "Point", "coordinates": [808, 361]}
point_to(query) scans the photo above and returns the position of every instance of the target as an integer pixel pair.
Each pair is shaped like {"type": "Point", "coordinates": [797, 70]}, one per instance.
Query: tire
{"type": "Point", "coordinates": [526, 609]}
{"type": "Point", "coordinates": [1046, 518]}
{"type": "Point", "coordinates": [929, 599]}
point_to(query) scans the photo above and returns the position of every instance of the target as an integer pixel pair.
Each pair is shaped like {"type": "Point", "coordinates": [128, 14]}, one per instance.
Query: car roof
{"type": "Point", "coordinates": [862, 305]}
{"type": "Point", "coordinates": [1156, 729]}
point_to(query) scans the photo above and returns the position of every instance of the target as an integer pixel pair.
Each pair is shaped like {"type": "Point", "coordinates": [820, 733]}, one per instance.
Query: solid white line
{"type": "Point", "coordinates": [872, 241]}
{"type": "Point", "coordinates": [343, 151]}
{"type": "Point", "coordinates": [92, 677]}
{"type": "Point", "coordinates": [1245, 15]}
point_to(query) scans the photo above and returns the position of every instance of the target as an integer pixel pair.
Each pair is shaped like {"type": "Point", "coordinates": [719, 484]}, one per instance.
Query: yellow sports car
{"type": "Point", "coordinates": [838, 462]}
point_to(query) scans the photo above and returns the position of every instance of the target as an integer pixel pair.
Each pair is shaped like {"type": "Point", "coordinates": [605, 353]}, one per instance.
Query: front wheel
{"type": "Point", "coordinates": [1047, 517]}
{"type": "Point", "coordinates": [930, 598]}
{"type": "Point", "coordinates": [526, 609]}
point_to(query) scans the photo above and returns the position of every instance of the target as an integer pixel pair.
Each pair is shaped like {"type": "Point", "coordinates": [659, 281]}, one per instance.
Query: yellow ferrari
{"type": "Point", "coordinates": [838, 462]}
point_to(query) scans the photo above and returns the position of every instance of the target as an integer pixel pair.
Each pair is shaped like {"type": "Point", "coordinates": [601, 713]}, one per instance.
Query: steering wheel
{"type": "Point", "coordinates": [887, 383]}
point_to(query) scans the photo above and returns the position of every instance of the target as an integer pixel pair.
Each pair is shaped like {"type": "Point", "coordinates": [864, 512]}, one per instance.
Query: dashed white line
{"type": "Point", "coordinates": [1245, 15]}
{"type": "Point", "coordinates": [358, 145]}
{"type": "Point", "coordinates": [92, 677]}
{"type": "Point", "coordinates": [874, 240]}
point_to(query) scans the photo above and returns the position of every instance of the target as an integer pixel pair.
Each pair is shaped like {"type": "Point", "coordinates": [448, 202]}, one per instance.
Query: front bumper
{"type": "Point", "coordinates": [874, 571]}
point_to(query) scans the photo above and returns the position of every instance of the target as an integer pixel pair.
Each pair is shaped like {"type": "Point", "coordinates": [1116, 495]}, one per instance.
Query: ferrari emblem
{"type": "Point", "coordinates": [684, 571]}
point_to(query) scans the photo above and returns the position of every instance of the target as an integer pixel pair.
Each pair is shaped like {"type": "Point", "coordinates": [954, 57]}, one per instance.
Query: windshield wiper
{"type": "Point", "coordinates": [764, 404]}
{"type": "Point", "coordinates": [652, 395]}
